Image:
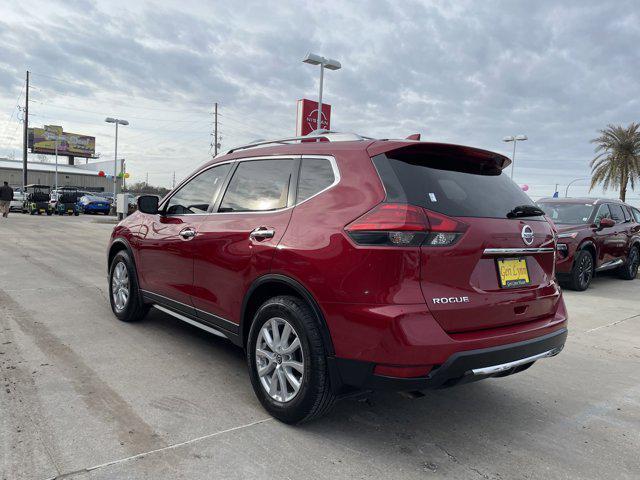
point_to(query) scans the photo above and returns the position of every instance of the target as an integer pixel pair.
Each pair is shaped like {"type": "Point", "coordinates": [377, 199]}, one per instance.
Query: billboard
{"type": "Point", "coordinates": [307, 117]}
{"type": "Point", "coordinates": [43, 140]}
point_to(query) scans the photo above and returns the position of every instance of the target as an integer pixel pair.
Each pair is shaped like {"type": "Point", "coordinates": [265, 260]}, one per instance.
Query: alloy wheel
{"type": "Point", "coordinates": [585, 270]}
{"type": "Point", "coordinates": [279, 359]}
{"type": "Point", "coordinates": [120, 286]}
{"type": "Point", "coordinates": [634, 263]}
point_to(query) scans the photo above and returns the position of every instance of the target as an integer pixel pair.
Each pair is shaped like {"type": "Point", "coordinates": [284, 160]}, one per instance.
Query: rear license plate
{"type": "Point", "coordinates": [513, 272]}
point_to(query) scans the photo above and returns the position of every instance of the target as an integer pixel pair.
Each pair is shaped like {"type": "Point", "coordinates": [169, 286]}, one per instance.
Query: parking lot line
{"type": "Point", "coordinates": [611, 324]}
{"type": "Point", "coordinates": [158, 450]}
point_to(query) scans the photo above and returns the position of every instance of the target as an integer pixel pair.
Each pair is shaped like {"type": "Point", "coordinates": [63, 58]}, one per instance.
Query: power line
{"type": "Point", "coordinates": [150, 119]}
{"type": "Point", "coordinates": [136, 107]}
{"type": "Point", "coordinates": [13, 111]}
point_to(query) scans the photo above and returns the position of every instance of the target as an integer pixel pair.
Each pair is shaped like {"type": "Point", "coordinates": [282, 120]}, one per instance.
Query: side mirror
{"type": "Point", "coordinates": [148, 204]}
{"type": "Point", "coordinates": [607, 222]}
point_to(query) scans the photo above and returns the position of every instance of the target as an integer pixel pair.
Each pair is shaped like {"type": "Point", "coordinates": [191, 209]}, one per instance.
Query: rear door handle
{"type": "Point", "coordinates": [187, 233]}
{"type": "Point", "coordinates": [261, 233]}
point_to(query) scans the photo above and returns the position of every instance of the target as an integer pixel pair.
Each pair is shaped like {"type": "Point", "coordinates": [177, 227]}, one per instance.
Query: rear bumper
{"type": "Point", "coordinates": [94, 208]}
{"type": "Point", "coordinates": [461, 367]}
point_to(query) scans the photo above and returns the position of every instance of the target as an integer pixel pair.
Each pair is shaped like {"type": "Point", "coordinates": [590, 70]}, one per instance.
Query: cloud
{"type": "Point", "coordinates": [469, 72]}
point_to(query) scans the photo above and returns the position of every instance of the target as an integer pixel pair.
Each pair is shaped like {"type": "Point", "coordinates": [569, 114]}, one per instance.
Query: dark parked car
{"type": "Point", "coordinates": [594, 235]}
{"type": "Point", "coordinates": [341, 263]}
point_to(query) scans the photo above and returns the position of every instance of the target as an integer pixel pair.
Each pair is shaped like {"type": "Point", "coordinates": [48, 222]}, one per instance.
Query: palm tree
{"type": "Point", "coordinates": [617, 163]}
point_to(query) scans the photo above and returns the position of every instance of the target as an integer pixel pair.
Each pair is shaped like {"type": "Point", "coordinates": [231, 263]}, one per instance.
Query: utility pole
{"type": "Point", "coordinates": [215, 129]}
{"type": "Point", "coordinates": [25, 132]}
{"type": "Point", "coordinates": [146, 182]}
{"type": "Point", "coordinates": [174, 180]}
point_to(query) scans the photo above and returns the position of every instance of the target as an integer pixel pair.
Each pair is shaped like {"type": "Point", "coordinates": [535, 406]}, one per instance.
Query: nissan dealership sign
{"type": "Point", "coordinates": [307, 117]}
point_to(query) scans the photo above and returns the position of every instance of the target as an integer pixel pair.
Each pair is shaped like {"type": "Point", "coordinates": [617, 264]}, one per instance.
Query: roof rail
{"type": "Point", "coordinates": [326, 135]}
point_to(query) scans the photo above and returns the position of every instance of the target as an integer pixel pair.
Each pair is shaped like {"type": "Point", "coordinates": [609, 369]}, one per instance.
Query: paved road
{"type": "Point", "coordinates": [87, 397]}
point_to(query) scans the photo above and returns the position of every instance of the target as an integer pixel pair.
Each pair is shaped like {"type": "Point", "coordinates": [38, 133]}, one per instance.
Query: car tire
{"type": "Point", "coordinates": [314, 396]}
{"type": "Point", "coordinates": [582, 272]}
{"type": "Point", "coordinates": [629, 271]}
{"type": "Point", "coordinates": [126, 303]}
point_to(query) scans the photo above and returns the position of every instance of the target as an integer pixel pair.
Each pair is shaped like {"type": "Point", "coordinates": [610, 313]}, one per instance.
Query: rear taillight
{"type": "Point", "coordinates": [444, 231]}
{"type": "Point", "coordinates": [402, 225]}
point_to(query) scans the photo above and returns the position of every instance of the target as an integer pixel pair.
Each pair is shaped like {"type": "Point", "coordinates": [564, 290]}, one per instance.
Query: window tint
{"type": "Point", "coordinates": [316, 174]}
{"type": "Point", "coordinates": [197, 195]}
{"type": "Point", "coordinates": [450, 187]}
{"type": "Point", "coordinates": [258, 185]}
{"type": "Point", "coordinates": [603, 212]}
{"type": "Point", "coordinates": [567, 213]}
{"type": "Point", "coordinates": [616, 213]}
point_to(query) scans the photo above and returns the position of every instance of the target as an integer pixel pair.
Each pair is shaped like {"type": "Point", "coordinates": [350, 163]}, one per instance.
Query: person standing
{"type": "Point", "coordinates": [6, 195]}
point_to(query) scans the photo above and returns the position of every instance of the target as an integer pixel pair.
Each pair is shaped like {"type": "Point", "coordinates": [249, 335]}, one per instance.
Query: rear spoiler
{"type": "Point", "coordinates": [442, 150]}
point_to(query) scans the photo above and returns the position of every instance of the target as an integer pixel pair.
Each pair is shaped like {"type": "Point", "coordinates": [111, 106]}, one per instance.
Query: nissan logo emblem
{"type": "Point", "coordinates": [527, 235]}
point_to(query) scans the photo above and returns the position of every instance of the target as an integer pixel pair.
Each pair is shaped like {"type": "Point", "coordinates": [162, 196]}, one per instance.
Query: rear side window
{"type": "Point", "coordinates": [258, 185]}
{"type": "Point", "coordinates": [616, 213]}
{"type": "Point", "coordinates": [459, 189]}
{"type": "Point", "coordinates": [196, 196]}
{"type": "Point", "coordinates": [316, 174]}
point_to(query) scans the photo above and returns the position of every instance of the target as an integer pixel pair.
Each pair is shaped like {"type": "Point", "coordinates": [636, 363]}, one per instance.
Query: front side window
{"type": "Point", "coordinates": [258, 186]}
{"type": "Point", "coordinates": [636, 213]}
{"type": "Point", "coordinates": [316, 174]}
{"type": "Point", "coordinates": [603, 212]}
{"type": "Point", "coordinates": [198, 194]}
{"type": "Point", "coordinates": [616, 213]}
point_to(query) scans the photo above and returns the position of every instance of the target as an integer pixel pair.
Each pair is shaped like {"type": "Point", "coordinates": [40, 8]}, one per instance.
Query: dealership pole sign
{"type": "Point", "coordinates": [307, 117]}
{"type": "Point", "coordinates": [43, 140]}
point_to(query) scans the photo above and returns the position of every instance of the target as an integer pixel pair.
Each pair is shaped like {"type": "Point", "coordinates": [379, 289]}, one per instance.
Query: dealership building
{"type": "Point", "coordinates": [84, 177]}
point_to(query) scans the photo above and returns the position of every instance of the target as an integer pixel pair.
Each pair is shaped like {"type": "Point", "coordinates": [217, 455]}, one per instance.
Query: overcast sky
{"type": "Point", "coordinates": [463, 72]}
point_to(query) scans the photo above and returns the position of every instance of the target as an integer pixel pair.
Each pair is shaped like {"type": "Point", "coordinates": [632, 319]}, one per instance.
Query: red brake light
{"type": "Point", "coordinates": [391, 216]}
{"type": "Point", "coordinates": [403, 225]}
{"type": "Point", "coordinates": [441, 223]}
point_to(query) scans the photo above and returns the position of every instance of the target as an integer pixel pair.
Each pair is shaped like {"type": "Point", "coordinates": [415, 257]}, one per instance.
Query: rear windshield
{"type": "Point", "coordinates": [455, 188]}
{"type": "Point", "coordinates": [568, 213]}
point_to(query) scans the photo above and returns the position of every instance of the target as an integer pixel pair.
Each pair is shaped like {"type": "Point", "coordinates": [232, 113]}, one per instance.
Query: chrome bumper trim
{"type": "Point", "coordinates": [516, 363]}
{"type": "Point", "coordinates": [517, 251]}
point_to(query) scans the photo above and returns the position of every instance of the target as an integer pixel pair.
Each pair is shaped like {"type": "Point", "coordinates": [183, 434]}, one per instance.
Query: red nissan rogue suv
{"type": "Point", "coordinates": [342, 263]}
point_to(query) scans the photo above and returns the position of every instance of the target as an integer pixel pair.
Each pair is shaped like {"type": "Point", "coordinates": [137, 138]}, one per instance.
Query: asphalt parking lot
{"type": "Point", "coordinates": [85, 396]}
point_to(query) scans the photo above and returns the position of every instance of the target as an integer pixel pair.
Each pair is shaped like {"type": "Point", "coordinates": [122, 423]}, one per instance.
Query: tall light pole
{"type": "Point", "coordinates": [515, 139]}
{"type": "Point", "coordinates": [328, 63]}
{"type": "Point", "coordinates": [566, 192]}
{"type": "Point", "coordinates": [117, 121]}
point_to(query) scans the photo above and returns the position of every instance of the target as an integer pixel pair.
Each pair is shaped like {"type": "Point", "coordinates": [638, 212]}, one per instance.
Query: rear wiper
{"type": "Point", "coordinates": [525, 211]}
